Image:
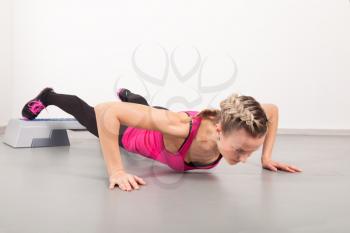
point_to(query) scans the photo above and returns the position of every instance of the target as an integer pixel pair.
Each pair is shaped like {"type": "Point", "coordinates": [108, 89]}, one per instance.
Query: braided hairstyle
{"type": "Point", "coordinates": [239, 112]}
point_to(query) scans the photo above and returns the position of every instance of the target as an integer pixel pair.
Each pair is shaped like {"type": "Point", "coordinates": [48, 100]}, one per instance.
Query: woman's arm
{"type": "Point", "coordinates": [272, 114]}
{"type": "Point", "coordinates": [108, 128]}
{"type": "Point", "coordinates": [110, 115]}
{"type": "Point", "coordinates": [271, 111]}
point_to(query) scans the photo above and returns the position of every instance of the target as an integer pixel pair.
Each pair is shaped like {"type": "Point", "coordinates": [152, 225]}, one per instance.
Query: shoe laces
{"type": "Point", "coordinates": [36, 106]}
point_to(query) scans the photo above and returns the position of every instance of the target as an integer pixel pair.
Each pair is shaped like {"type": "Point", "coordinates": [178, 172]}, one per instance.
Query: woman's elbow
{"type": "Point", "coordinates": [106, 119]}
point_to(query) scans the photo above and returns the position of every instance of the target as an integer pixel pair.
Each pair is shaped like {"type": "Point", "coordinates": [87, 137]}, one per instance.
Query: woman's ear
{"type": "Point", "coordinates": [218, 127]}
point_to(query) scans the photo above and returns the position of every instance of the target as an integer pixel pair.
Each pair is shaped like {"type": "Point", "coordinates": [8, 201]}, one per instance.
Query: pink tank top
{"type": "Point", "coordinates": [150, 144]}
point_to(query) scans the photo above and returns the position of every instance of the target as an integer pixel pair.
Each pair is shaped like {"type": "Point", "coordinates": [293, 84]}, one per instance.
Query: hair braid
{"type": "Point", "coordinates": [239, 112]}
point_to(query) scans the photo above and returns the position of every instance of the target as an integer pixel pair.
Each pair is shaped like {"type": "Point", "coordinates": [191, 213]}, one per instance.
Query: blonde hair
{"type": "Point", "coordinates": [239, 112]}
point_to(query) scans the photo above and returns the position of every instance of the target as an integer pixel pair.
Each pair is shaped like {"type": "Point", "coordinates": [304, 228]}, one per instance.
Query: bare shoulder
{"type": "Point", "coordinates": [184, 120]}
{"type": "Point", "coordinates": [184, 117]}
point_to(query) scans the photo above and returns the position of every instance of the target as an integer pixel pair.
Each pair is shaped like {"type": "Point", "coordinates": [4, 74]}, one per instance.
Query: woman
{"type": "Point", "coordinates": [183, 140]}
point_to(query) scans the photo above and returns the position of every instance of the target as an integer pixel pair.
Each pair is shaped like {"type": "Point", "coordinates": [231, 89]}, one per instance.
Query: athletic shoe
{"type": "Point", "coordinates": [33, 107]}
{"type": "Point", "coordinates": [123, 93]}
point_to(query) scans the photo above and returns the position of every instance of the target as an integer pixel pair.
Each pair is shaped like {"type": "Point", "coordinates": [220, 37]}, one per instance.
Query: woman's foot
{"type": "Point", "coordinates": [123, 93]}
{"type": "Point", "coordinates": [33, 107]}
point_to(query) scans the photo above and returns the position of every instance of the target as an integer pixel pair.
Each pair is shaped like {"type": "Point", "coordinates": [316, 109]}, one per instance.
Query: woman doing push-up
{"type": "Point", "coordinates": [184, 140]}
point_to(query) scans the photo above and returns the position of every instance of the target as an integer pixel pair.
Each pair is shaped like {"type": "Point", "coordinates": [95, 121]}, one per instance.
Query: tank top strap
{"type": "Point", "coordinates": [194, 126]}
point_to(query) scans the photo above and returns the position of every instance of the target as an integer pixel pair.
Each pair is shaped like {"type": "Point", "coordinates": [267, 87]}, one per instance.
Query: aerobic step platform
{"type": "Point", "coordinates": [39, 132]}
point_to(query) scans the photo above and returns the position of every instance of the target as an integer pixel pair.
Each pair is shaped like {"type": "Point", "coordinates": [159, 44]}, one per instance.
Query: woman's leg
{"type": "Point", "coordinates": [126, 95]}
{"type": "Point", "coordinates": [84, 113]}
{"type": "Point", "coordinates": [72, 104]}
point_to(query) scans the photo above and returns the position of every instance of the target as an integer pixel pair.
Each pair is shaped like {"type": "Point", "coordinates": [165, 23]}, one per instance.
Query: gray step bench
{"type": "Point", "coordinates": [40, 132]}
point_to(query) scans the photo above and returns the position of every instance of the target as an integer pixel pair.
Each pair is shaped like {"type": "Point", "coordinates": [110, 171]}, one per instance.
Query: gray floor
{"type": "Point", "coordinates": [65, 189]}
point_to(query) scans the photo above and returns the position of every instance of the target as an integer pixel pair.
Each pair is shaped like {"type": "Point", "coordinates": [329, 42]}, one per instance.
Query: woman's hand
{"type": "Point", "coordinates": [125, 181]}
{"type": "Point", "coordinates": [274, 166]}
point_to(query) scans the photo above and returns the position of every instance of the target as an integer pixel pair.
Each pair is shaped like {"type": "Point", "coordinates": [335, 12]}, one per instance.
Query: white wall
{"type": "Point", "coordinates": [291, 53]}
{"type": "Point", "coordinates": [5, 61]}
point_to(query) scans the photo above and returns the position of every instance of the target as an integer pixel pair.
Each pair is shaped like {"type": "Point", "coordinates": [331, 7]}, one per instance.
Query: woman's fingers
{"type": "Point", "coordinates": [122, 187]}
{"type": "Point", "coordinates": [270, 167]}
{"type": "Point", "coordinates": [283, 167]}
{"type": "Point", "coordinates": [292, 169]}
{"type": "Point", "coordinates": [140, 180]}
{"type": "Point", "coordinates": [296, 169]}
{"type": "Point", "coordinates": [274, 166]}
{"type": "Point", "coordinates": [133, 183]}
{"type": "Point", "coordinates": [111, 185]}
{"type": "Point", "coordinates": [289, 168]}
{"type": "Point", "coordinates": [126, 182]}
{"type": "Point", "coordinates": [127, 185]}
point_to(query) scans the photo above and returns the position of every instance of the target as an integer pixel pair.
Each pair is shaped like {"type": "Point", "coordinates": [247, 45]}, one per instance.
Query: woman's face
{"type": "Point", "coordinates": [237, 146]}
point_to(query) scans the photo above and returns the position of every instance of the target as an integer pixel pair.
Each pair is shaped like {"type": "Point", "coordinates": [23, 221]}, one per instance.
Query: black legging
{"type": "Point", "coordinates": [85, 114]}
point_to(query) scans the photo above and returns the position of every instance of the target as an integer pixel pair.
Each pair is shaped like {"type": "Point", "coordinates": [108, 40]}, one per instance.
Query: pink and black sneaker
{"type": "Point", "coordinates": [33, 107]}
{"type": "Point", "coordinates": [123, 93]}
